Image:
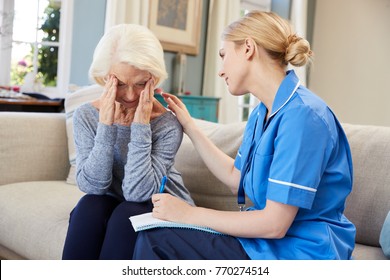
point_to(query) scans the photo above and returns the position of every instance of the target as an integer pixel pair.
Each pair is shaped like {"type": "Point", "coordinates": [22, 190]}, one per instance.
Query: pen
{"type": "Point", "coordinates": [162, 186]}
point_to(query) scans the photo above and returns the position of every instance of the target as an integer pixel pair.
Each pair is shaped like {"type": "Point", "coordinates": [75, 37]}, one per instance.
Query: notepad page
{"type": "Point", "coordinates": [147, 221]}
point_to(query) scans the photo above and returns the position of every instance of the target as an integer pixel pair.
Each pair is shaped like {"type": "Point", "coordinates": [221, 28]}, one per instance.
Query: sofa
{"type": "Point", "coordinates": [36, 199]}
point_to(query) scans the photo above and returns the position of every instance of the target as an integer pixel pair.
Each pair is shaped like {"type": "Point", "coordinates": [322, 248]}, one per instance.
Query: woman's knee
{"type": "Point", "coordinates": [127, 209]}
{"type": "Point", "coordinates": [90, 206]}
{"type": "Point", "coordinates": [121, 214]}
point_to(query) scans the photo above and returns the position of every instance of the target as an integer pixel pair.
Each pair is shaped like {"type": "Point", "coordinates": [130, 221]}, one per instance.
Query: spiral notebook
{"type": "Point", "coordinates": [147, 221]}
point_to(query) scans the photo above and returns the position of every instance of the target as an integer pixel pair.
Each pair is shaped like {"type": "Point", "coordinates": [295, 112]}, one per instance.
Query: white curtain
{"type": "Point", "coordinates": [126, 11]}
{"type": "Point", "coordinates": [299, 21]}
{"type": "Point", "coordinates": [6, 23]}
{"type": "Point", "coordinates": [221, 13]}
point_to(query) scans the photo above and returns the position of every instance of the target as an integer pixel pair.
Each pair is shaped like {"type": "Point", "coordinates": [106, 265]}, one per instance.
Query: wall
{"type": "Point", "coordinates": [281, 7]}
{"type": "Point", "coordinates": [351, 69]}
{"type": "Point", "coordinates": [88, 27]}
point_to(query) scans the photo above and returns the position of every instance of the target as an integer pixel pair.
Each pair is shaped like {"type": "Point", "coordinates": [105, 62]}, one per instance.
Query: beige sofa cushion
{"type": "Point", "coordinates": [205, 188]}
{"type": "Point", "coordinates": [27, 228]}
{"type": "Point", "coordinates": [366, 252]}
{"type": "Point", "coordinates": [369, 202]}
{"type": "Point", "coordinates": [30, 150]}
{"type": "Point", "coordinates": [72, 102]}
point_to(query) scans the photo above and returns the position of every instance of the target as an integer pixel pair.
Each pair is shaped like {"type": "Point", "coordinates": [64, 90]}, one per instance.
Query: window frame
{"type": "Point", "coordinates": [64, 49]}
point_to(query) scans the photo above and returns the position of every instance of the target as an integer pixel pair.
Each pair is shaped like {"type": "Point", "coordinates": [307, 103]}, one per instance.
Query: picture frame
{"type": "Point", "coordinates": [177, 24]}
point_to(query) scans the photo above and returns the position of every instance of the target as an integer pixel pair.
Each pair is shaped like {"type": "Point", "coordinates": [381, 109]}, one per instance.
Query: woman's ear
{"type": "Point", "coordinates": [250, 48]}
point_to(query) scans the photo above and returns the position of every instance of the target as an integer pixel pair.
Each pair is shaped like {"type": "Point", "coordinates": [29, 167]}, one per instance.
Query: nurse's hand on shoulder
{"type": "Point", "coordinates": [170, 208]}
{"type": "Point", "coordinates": [180, 110]}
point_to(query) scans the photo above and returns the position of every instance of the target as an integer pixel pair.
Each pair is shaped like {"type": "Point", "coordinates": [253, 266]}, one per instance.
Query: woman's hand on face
{"type": "Point", "coordinates": [107, 101]}
{"type": "Point", "coordinates": [170, 208]}
{"type": "Point", "coordinates": [180, 110]}
{"type": "Point", "coordinates": [145, 104]}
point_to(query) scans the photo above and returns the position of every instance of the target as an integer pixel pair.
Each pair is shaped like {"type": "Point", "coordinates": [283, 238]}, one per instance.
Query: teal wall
{"type": "Point", "coordinates": [281, 7]}
{"type": "Point", "coordinates": [88, 28]}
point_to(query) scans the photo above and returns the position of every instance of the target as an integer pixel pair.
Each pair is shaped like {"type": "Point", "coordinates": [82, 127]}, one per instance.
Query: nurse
{"type": "Point", "coordinates": [294, 163]}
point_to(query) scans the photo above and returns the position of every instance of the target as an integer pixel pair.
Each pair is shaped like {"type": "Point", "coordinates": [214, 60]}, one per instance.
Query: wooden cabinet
{"type": "Point", "coordinates": [32, 105]}
{"type": "Point", "coordinates": [200, 107]}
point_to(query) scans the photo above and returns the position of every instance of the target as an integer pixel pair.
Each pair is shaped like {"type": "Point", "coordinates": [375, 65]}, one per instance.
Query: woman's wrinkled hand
{"type": "Point", "coordinates": [107, 101]}
{"type": "Point", "coordinates": [145, 104]}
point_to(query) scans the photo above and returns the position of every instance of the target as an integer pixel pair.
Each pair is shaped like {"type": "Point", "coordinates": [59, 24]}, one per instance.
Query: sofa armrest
{"type": "Point", "coordinates": [33, 147]}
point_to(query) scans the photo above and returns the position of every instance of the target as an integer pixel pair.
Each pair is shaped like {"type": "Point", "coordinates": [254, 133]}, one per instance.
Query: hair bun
{"type": "Point", "coordinates": [298, 51]}
{"type": "Point", "coordinates": [293, 39]}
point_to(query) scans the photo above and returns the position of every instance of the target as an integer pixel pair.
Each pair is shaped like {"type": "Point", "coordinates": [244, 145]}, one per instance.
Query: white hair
{"type": "Point", "coordinates": [133, 44]}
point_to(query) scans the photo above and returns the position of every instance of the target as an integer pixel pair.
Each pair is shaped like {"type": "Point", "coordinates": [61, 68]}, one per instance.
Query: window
{"type": "Point", "coordinates": [248, 102]}
{"type": "Point", "coordinates": [33, 45]}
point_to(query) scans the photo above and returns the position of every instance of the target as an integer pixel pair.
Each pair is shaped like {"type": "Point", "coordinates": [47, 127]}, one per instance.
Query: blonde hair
{"type": "Point", "coordinates": [133, 44]}
{"type": "Point", "coordinates": [274, 34]}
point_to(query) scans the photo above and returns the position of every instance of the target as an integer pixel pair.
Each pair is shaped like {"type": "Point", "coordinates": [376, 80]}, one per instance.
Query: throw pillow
{"type": "Point", "coordinates": [384, 239]}
{"type": "Point", "coordinates": [72, 102]}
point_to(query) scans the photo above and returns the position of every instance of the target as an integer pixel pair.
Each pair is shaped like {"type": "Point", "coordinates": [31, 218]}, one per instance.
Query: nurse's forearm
{"type": "Point", "coordinates": [271, 222]}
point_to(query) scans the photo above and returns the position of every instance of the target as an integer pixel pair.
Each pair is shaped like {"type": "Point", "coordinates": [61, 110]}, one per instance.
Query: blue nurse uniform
{"type": "Point", "coordinates": [300, 156]}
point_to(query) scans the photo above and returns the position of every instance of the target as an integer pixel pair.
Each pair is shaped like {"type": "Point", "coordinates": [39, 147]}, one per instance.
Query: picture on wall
{"type": "Point", "coordinates": [177, 24]}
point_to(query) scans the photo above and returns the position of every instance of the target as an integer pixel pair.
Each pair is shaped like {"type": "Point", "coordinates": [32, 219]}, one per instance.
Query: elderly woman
{"type": "Point", "coordinates": [126, 142]}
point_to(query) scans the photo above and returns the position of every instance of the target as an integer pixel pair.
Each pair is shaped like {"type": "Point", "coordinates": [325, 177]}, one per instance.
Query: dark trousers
{"type": "Point", "coordinates": [99, 228]}
{"type": "Point", "coordinates": [186, 244]}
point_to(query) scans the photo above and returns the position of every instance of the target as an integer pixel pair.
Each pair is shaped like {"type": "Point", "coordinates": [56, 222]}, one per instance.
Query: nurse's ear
{"type": "Point", "coordinates": [250, 48]}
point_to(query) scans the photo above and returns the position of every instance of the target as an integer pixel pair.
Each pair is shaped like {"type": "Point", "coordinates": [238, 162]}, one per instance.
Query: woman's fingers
{"type": "Point", "coordinates": [173, 100]}
{"type": "Point", "coordinates": [151, 88]}
{"type": "Point", "coordinates": [107, 106]}
{"type": "Point", "coordinates": [145, 104]}
{"type": "Point", "coordinates": [180, 110]}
